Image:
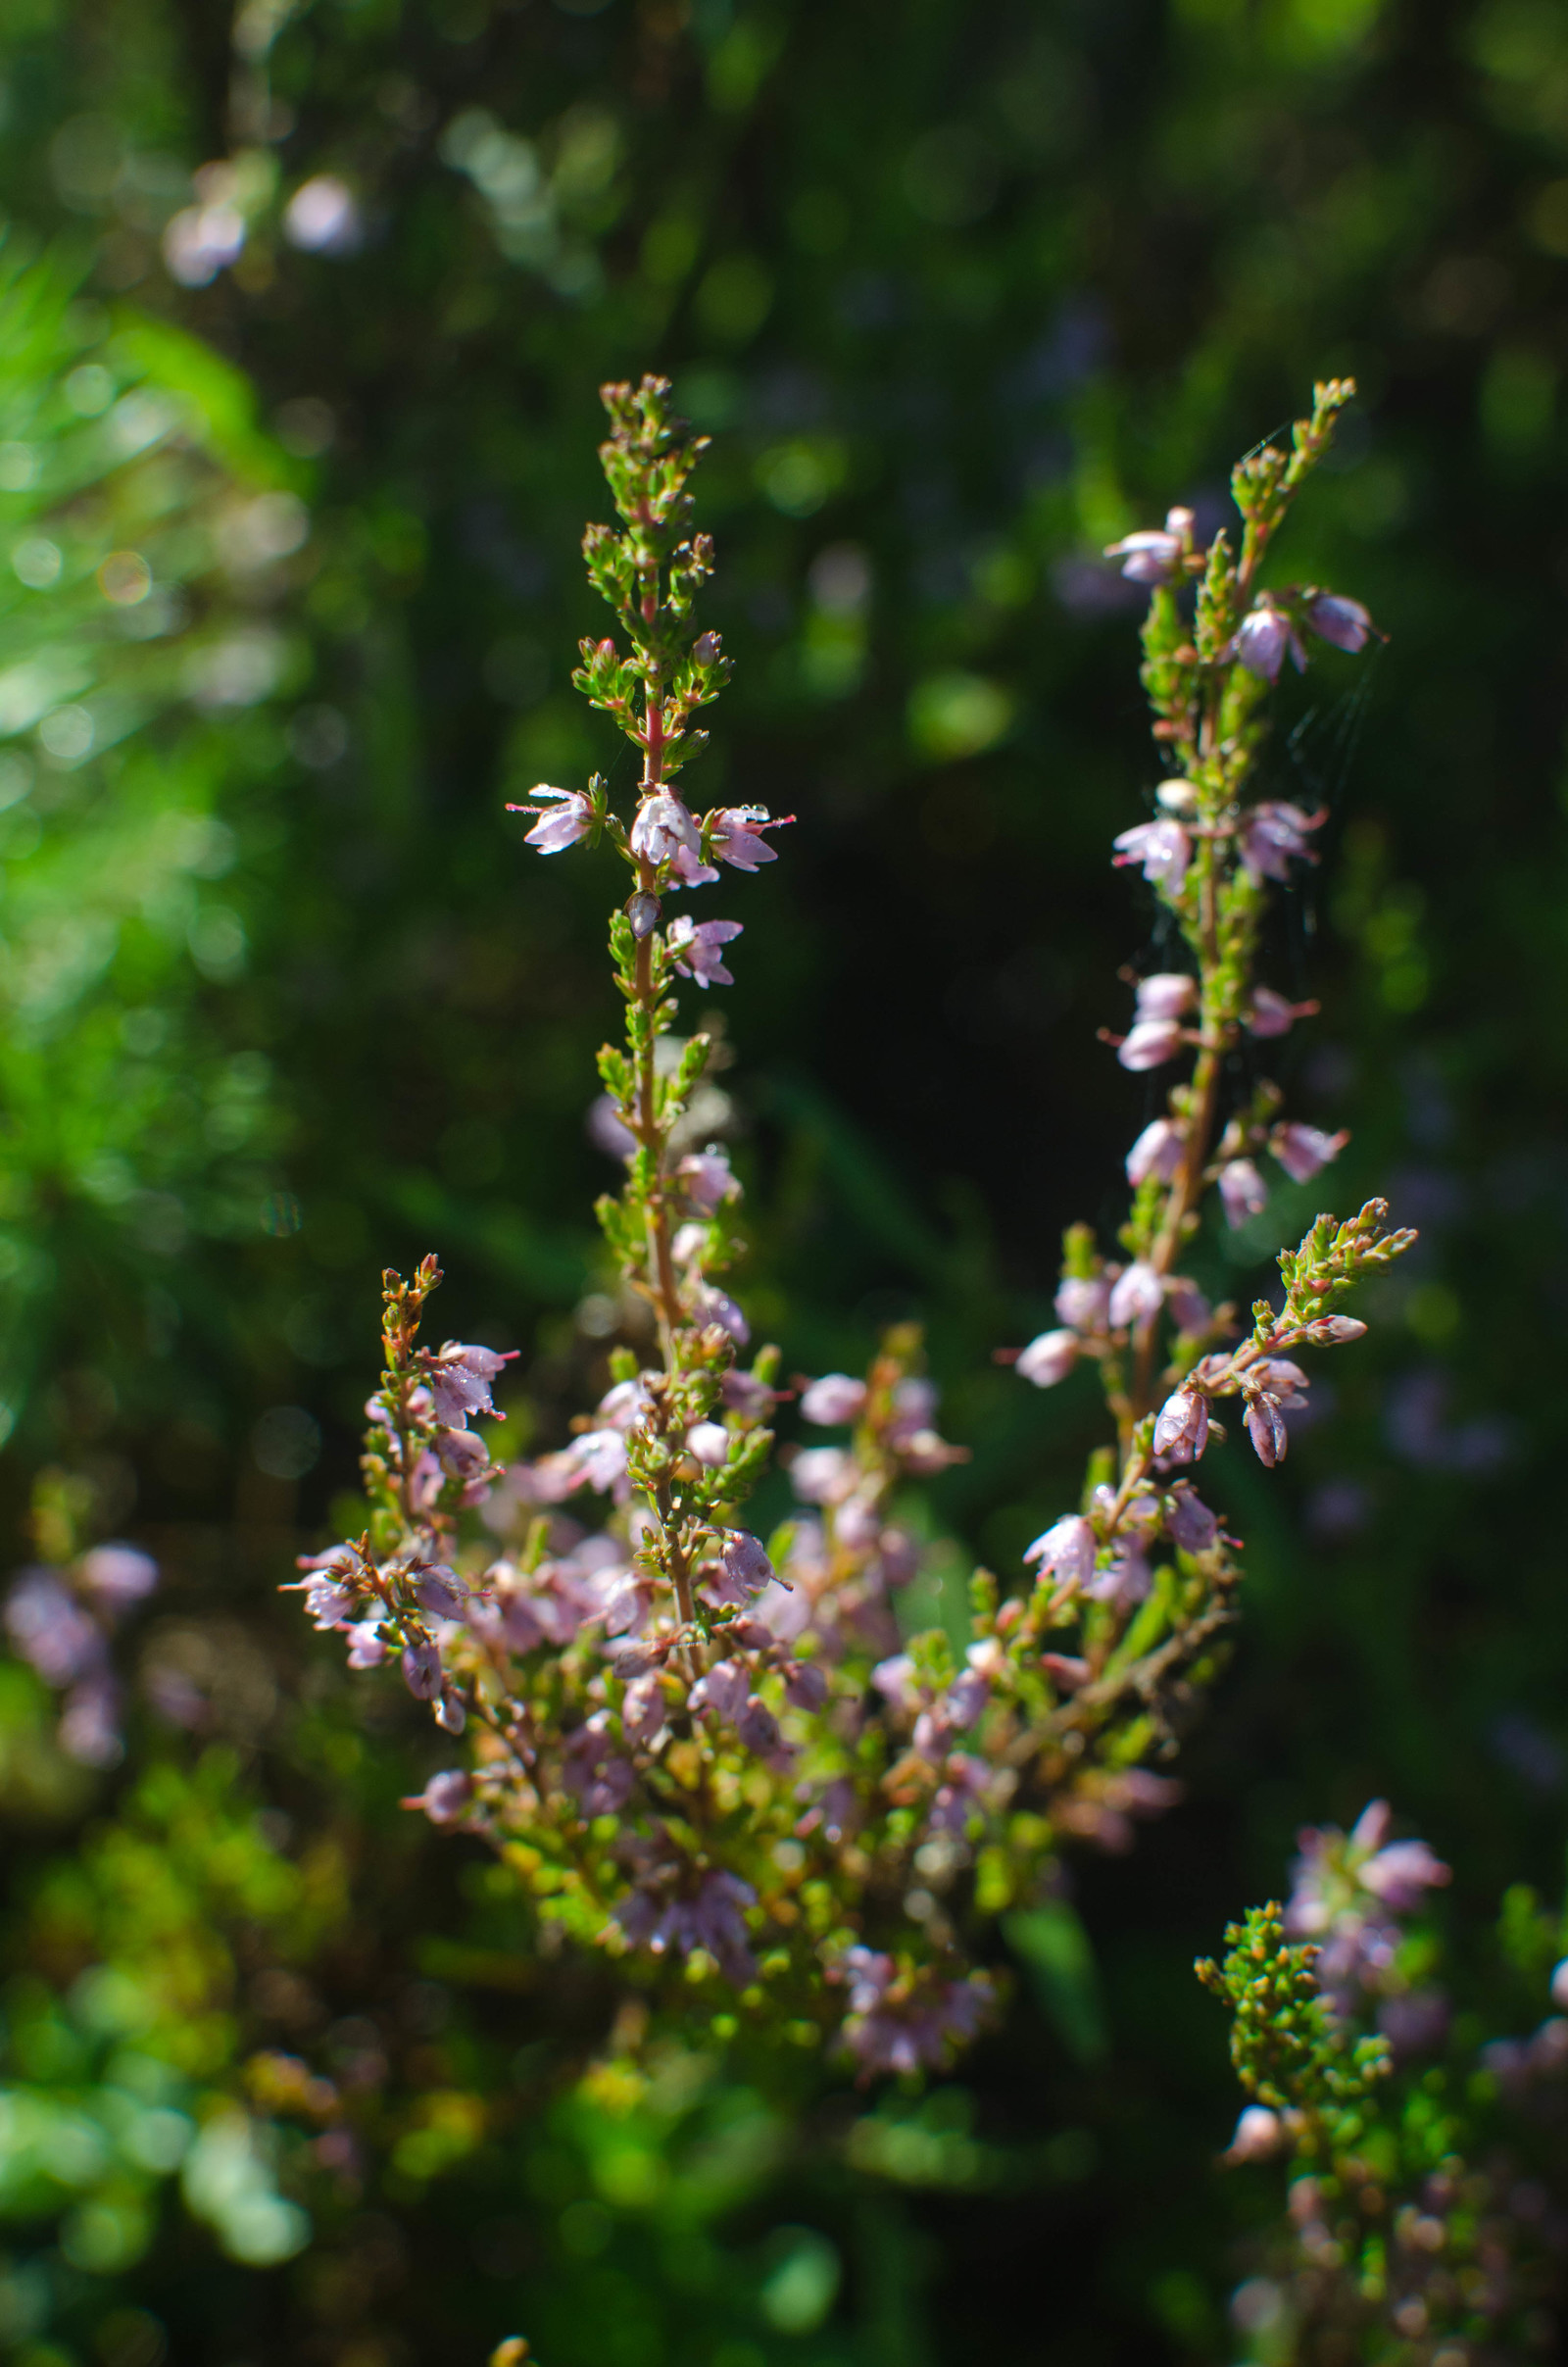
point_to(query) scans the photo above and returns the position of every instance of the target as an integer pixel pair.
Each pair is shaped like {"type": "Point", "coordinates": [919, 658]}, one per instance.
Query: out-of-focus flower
{"type": "Point", "coordinates": [1166, 995]}
{"type": "Point", "coordinates": [1049, 1359]}
{"type": "Point", "coordinates": [1259, 2136]}
{"type": "Point", "coordinates": [1242, 1190]}
{"type": "Point", "coordinates": [117, 1575]}
{"type": "Point", "coordinates": [322, 216]}
{"type": "Point", "coordinates": [835, 1398]}
{"type": "Point", "coordinates": [1157, 1152]}
{"type": "Point", "coordinates": [1162, 848]}
{"type": "Point", "coordinates": [1149, 1044]}
{"type": "Point", "coordinates": [1193, 1526]}
{"type": "Point", "coordinates": [1136, 1294]}
{"type": "Point", "coordinates": [1302, 1150]}
{"type": "Point", "coordinates": [705, 1178]}
{"type": "Point", "coordinates": [1262, 639]}
{"type": "Point", "coordinates": [823, 1475]}
{"type": "Point", "coordinates": [1334, 618]}
{"type": "Point", "coordinates": [422, 1670]}
{"type": "Point", "coordinates": [1270, 835]}
{"type": "Point", "coordinates": [1083, 1302]}
{"type": "Point", "coordinates": [558, 825]}
{"type": "Point", "coordinates": [200, 241]}
{"type": "Point", "coordinates": [709, 1442]}
{"type": "Point", "coordinates": [696, 944]}
{"type": "Point", "coordinates": [445, 1796]}
{"type": "Point", "coordinates": [1271, 1014]}
{"type": "Point", "coordinates": [1066, 1550]}
{"type": "Point", "coordinates": [1153, 555]}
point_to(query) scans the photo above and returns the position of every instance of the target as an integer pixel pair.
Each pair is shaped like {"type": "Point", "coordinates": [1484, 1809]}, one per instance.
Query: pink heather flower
{"type": "Point", "coordinates": [1049, 1359]}
{"type": "Point", "coordinates": [1190, 1310]}
{"type": "Point", "coordinates": [1263, 638]}
{"type": "Point", "coordinates": [1191, 1525]}
{"type": "Point", "coordinates": [117, 1575]}
{"type": "Point", "coordinates": [1302, 1150]}
{"type": "Point", "coordinates": [1242, 1191]}
{"type": "Point", "coordinates": [1286, 1383]}
{"type": "Point", "coordinates": [643, 1711]}
{"type": "Point", "coordinates": [643, 912]}
{"type": "Point", "coordinates": [709, 1442]}
{"type": "Point", "coordinates": [1265, 1427]}
{"type": "Point", "coordinates": [625, 1406]}
{"type": "Point", "coordinates": [51, 1630]}
{"type": "Point", "coordinates": [822, 1475]}
{"type": "Point", "coordinates": [1163, 848]}
{"type": "Point", "coordinates": [366, 1646]}
{"type": "Point", "coordinates": [441, 1592]}
{"type": "Point", "coordinates": [896, 1681]}
{"type": "Point", "coordinates": [711, 1306]}
{"type": "Point", "coordinates": [1136, 1294]}
{"type": "Point", "coordinates": [695, 945]}
{"type": "Point", "coordinates": [1151, 1044]}
{"type": "Point", "coordinates": [1126, 1580]}
{"type": "Point", "coordinates": [705, 1179]}
{"type": "Point", "coordinates": [733, 835]}
{"type": "Point", "coordinates": [745, 1563]}
{"type": "Point", "coordinates": [445, 1796]}
{"type": "Point", "coordinates": [1148, 556]}
{"type": "Point", "coordinates": [1181, 1429]}
{"type": "Point", "coordinates": [758, 1729]}
{"type": "Point", "coordinates": [1344, 623]}
{"type": "Point", "coordinates": [804, 1685]}
{"type": "Point", "coordinates": [1083, 1302]}
{"type": "Point", "coordinates": [450, 1712]}
{"type": "Point", "coordinates": [835, 1398]}
{"type": "Point", "coordinates": [1333, 1331]}
{"type": "Point", "coordinates": [89, 1726]}
{"type": "Point", "coordinates": [1065, 1551]}
{"type": "Point", "coordinates": [743, 1394]}
{"type": "Point", "coordinates": [1399, 1874]}
{"type": "Point", "coordinates": [560, 825]}
{"type": "Point", "coordinates": [1272, 1015]}
{"type": "Point", "coordinates": [422, 1670]}
{"type": "Point", "coordinates": [663, 828]}
{"type": "Point", "coordinates": [1156, 1152]}
{"type": "Point", "coordinates": [594, 1769]}
{"type": "Point", "coordinates": [1259, 2134]}
{"type": "Point", "coordinates": [460, 1379]}
{"type": "Point", "coordinates": [1167, 995]}
{"type": "Point", "coordinates": [723, 1690]}
{"type": "Point", "coordinates": [1270, 834]}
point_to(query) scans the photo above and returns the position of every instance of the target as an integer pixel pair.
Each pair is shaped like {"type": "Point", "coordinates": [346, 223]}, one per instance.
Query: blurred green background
{"type": "Point", "coordinates": [961, 293]}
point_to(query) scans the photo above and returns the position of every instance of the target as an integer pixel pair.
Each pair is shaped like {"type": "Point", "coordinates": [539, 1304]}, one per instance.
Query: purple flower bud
{"type": "Point", "coordinates": [441, 1593]}
{"type": "Point", "coordinates": [1242, 1191]}
{"type": "Point", "coordinates": [723, 1690]}
{"type": "Point", "coordinates": [705, 1178]}
{"type": "Point", "coordinates": [1193, 1526]}
{"type": "Point", "coordinates": [1163, 848]}
{"type": "Point", "coordinates": [1334, 618]}
{"type": "Point", "coordinates": [1269, 836]}
{"type": "Point", "coordinates": [1278, 1378]}
{"type": "Point", "coordinates": [1265, 1427]}
{"type": "Point", "coordinates": [965, 1697]}
{"type": "Point", "coordinates": [804, 1684]}
{"type": "Point", "coordinates": [445, 1796]}
{"type": "Point", "coordinates": [1399, 1873]}
{"type": "Point", "coordinates": [733, 835]}
{"type": "Point", "coordinates": [1049, 1359]}
{"type": "Point", "coordinates": [1334, 1331]}
{"type": "Point", "coordinates": [1066, 1550]}
{"type": "Point", "coordinates": [644, 912]}
{"type": "Point", "coordinates": [422, 1670]}
{"type": "Point", "coordinates": [1272, 1015]}
{"type": "Point", "coordinates": [746, 1563]}
{"type": "Point", "coordinates": [709, 1442]}
{"type": "Point", "coordinates": [1263, 640]}
{"type": "Point", "coordinates": [711, 1306]}
{"type": "Point", "coordinates": [743, 1394]}
{"type": "Point", "coordinates": [835, 1398]}
{"type": "Point", "coordinates": [1156, 1152]}
{"type": "Point", "coordinates": [1302, 1150]}
{"type": "Point", "coordinates": [89, 1726]}
{"type": "Point", "coordinates": [450, 1712]}
{"type": "Point", "coordinates": [1151, 1044]}
{"type": "Point", "coordinates": [1167, 995]}
{"type": "Point", "coordinates": [1136, 1294]}
{"type": "Point", "coordinates": [1083, 1302]}
{"type": "Point", "coordinates": [1148, 556]}
{"type": "Point", "coordinates": [560, 825]}
{"type": "Point", "coordinates": [663, 827]}
{"type": "Point", "coordinates": [366, 1649]}
{"type": "Point", "coordinates": [695, 945]}
{"type": "Point", "coordinates": [1181, 1429]}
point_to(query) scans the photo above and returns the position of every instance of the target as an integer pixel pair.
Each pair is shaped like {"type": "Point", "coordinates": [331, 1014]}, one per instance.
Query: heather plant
{"type": "Point", "coordinates": [704, 1750]}
{"type": "Point", "coordinates": [1422, 2150]}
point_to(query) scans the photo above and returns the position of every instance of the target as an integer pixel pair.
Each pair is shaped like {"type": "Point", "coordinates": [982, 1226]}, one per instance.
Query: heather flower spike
{"type": "Point", "coordinates": [736, 1758]}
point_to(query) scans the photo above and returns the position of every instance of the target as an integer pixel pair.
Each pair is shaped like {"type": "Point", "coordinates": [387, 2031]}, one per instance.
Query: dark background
{"type": "Point", "coordinates": [961, 293]}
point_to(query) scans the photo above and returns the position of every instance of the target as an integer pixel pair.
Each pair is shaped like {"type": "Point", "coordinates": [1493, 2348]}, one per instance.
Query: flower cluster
{"type": "Point", "coordinates": [738, 1761]}
{"type": "Point", "coordinates": [1415, 2225]}
{"type": "Point", "coordinates": [62, 1618]}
